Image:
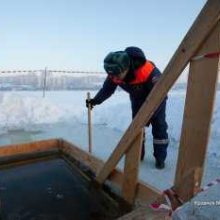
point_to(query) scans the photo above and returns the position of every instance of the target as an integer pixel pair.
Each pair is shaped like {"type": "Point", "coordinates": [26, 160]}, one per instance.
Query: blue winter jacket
{"type": "Point", "coordinates": [137, 92]}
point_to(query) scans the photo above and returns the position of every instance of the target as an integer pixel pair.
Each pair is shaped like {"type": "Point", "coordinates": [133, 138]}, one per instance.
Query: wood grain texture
{"type": "Point", "coordinates": [131, 169]}
{"type": "Point", "coordinates": [144, 193]}
{"type": "Point", "coordinates": [195, 37]}
{"type": "Point", "coordinates": [37, 146]}
{"type": "Point", "coordinates": [201, 91]}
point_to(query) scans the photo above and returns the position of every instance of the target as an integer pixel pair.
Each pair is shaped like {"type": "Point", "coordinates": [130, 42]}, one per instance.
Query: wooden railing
{"type": "Point", "coordinates": [202, 38]}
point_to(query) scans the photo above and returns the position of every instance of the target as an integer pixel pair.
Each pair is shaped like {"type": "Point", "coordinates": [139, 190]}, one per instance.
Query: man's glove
{"type": "Point", "coordinates": [90, 103]}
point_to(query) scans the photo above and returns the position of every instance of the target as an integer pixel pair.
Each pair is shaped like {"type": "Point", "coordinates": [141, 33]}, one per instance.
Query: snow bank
{"type": "Point", "coordinates": [18, 111]}
{"type": "Point", "coordinates": [21, 110]}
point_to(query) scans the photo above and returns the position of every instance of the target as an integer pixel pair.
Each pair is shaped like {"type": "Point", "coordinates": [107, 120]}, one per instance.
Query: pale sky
{"type": "Point", "coordinates": [77, 34]}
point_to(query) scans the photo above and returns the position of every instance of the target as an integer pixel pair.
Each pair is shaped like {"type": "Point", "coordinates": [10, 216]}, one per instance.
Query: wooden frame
{"type": "Point", "coordinates": [195, 37]}
{"type": "Point", "coordinates": [22, 153]}
{"type": "Point", "coordinates": [202, 83]}
{"type": "Point", "coordinates": [34, 147]}
{"type": "Point", "coordinates": [144, 194]}
{"type": "Point", "coordinates": [203, 37]}
{"type": "Point", "coordinates": [131, 169]}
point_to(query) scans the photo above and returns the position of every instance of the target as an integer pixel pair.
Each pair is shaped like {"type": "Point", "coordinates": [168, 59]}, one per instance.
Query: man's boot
{"type": "Point", "coordinates": [159, 164]}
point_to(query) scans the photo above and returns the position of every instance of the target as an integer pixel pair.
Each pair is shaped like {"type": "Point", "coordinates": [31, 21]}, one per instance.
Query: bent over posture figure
{"type": "Point", "coordinates": [130, 70]}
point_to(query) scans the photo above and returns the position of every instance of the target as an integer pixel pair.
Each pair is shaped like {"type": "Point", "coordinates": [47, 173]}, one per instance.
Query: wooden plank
{"type": "Point", "coordinates": [145, 193]}
{"type": "Point", "coordinates": [191, 180]}
{"type": "Point", "coordinates": [201, 28]}
{"type": "Point", "coordinates": [38, 146]}
{"type": "Point", "coordinates": [145, 213]}
{"type": "Point", "coordinates": [20, 159]}
{"type": "Point", "coordinates": [132, 161]}
{"type": "Point", "coordinates": [89, 124]}
{"type": "Point", "coordinates": [201, 90]}
{"type": "Point", "coordinates": [80, 155]}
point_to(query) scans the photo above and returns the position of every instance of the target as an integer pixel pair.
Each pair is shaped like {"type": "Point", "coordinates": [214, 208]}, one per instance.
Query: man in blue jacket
{"type": "Point", "coordinates": [130, 70]}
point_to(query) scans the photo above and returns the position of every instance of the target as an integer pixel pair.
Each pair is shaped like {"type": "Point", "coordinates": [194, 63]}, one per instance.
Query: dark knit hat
{"type": "Point", "coordinates": [116, 62]}
{"type": "Point", "coordinates": [135, 52]}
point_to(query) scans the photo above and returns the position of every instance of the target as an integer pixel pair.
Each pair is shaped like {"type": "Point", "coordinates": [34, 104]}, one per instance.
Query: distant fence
{"type": "Point", "coordinates": [46, 79]}
{"type": "Point", "coordinates": [54, 71]}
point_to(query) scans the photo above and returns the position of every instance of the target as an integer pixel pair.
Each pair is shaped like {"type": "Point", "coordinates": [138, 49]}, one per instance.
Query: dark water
{"type": "Point", "coordinates": [50, 190]}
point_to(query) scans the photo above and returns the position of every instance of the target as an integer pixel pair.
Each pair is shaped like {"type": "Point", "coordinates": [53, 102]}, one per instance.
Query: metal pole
{"type": "Point", "coordinates": [45, 81]}
{"type": "Point", "coordinates": [89, 125]}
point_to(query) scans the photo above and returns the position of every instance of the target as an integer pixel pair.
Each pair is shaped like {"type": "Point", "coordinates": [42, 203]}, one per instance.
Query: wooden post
{"type": "Point", "coordinates": [197, 34]}
{"type": "Point", "coordinates": [45, 81]}
{"type": "Point", "coordinates": [131, 169]}
{"type": "Point", "coordinates": [201, 90]}
{"type": "Point", "coordinates": [89, 125]}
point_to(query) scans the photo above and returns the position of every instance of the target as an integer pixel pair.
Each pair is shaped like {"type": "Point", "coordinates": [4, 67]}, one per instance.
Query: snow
{"type": "Point", "coordinates": [26, 116]}
{"type": "Point", "coordinates": [205, 206]}
{"type": "Point", "coordinates": [18, 112]}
